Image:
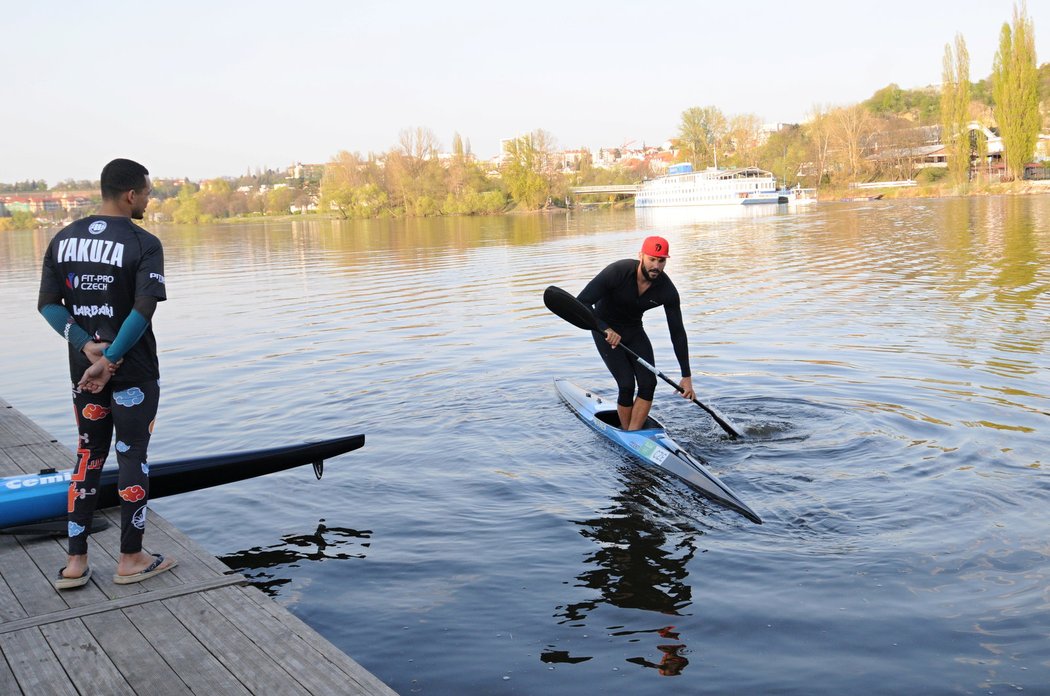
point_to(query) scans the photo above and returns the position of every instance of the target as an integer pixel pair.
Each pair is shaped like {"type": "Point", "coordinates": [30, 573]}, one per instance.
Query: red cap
{"type": "Point", "coordinates": [656, 246]}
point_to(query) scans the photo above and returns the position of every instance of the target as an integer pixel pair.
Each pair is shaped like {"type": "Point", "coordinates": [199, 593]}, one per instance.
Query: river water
{"type": "Point", "coordinates": [887, 361]}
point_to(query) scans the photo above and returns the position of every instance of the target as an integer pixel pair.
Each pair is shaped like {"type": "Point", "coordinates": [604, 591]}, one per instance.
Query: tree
{"type": "Point", "coordinates": [851, 127]}
{"type": "Point", "coordinates": [1015, 88]}
{"type": "Point", "coordinates": [416, 173]}
{"type": "Point", "coordinates": [188, 208]}
{"type": "Point", "coordinates": [701, 133]}
{"type": "Point", "coordinates": [523, 172]}
{"type": "Point", "coordinates": [955, 110]}
{"type": "Point", "coordinates": [785, 153]}
{"type": "Point", "coordinates": [744, 136]}
{"type": "Point", "coordinates": [340, 177]}
{"type": "Point", "coordinates": [818, 132]}
{"type": "Point", "coordinates": [214, 198]}
{"type": "Point", "coordinates": [279, 200]}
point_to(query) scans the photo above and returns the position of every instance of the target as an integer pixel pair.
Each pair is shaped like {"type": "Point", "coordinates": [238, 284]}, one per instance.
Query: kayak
{"type": "Point", "coordinates": [33, 498]}
{"type": "Point", "coordinates": [651, 444]}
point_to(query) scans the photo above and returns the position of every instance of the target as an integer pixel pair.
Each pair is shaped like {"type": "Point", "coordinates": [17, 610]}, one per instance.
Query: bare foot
{"type": "Point", "coordinates": [76, 566]}
{"type": "Point", "coordinates": [133, 563]}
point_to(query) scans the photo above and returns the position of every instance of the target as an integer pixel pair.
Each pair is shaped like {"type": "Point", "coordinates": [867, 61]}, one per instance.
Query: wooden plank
{"type": "Point", "coordinates": [251, 666]}
{"type": "Point", "coordinates": [48, 554]}
{"type": "Point", "coordinates": [120, 603]}
{"type": "Point", "coordinates": [7, 462]}
{"type": "Point", "coordinates": [84, 659]}
{"type": "Point", "coordinates": [201, 554]}
{"type": "Point", "coordinates": [133, 654]}
{"type": "Point", "coordinates": [11, 553]}
{"type": "Point", "coordinates": [179, 648]}
{"type": "Point", "coordinates": [297, 653]}
{"type": "Point", "coordinates": [15, 428]}
{"type": "Point", "coordinates": [35, 594]}
{"type": "Point", "coordinates": [34, 665]}
{"type": "Point", "coordinates": [8, 683]}
{"type": "Point", "coordinates": [337, 657]}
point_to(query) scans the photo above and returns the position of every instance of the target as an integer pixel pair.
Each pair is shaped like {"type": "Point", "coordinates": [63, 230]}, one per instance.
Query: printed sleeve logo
{"type": "Point", "coordinates": [94, 412]}
{"type": "Point", "coordinates": [157, 277]}
{"type": "Point", "coordinates": [132, 494]}
{"type": "Point", "coordinates": [97, 227]}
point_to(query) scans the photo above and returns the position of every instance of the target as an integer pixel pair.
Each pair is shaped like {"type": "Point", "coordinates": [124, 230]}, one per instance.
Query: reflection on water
{"type": "Point", "coordinates": [324, 544]}
{"type": "Point", "coordinates": [640, 563]}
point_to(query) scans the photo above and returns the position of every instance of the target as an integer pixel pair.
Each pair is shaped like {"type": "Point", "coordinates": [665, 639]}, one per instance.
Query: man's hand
{"type": "Point", "coordinates": [93, 350]}
{"type": "Point", "coordinates": [96, 376]}
{"type": "Point", "coordinates": [687, 388]}
{"type": "Point", "coordinates": [612, 337]}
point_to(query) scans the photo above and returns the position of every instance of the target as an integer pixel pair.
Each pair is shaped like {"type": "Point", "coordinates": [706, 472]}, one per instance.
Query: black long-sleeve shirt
{"type": "Point", "coordinates": [613, 294]}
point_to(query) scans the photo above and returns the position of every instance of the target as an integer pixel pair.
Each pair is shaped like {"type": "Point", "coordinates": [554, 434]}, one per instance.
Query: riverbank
{"type": "Point", "coordinates": [938, 190]}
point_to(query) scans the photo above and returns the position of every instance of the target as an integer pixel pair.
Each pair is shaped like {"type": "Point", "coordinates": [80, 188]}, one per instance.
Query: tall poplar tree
{"type": "Point", "coordinates": [955, 110]}
{"type": "Point", "coordinates": [1015, 91]}
{"type": "Point", "coordinates": [701, 132]}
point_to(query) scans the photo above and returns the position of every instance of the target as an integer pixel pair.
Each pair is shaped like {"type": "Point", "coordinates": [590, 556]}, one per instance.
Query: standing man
{"type": "Point", "coordinates": [102, 278]}
{"type": "Point", "coordinates": [619, 295]}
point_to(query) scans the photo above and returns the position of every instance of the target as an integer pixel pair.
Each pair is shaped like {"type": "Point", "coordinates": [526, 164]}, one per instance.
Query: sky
{"type": "Point", "coordinates": [204, 89]}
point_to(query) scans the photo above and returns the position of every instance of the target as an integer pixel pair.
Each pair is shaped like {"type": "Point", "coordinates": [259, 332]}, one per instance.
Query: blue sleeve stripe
{"type": "Point", "coordinates": [62, 322]}
{"type": "Point", "coordinates": [130, 333]}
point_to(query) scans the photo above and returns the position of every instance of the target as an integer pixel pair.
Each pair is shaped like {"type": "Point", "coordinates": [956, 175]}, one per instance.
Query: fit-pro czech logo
{"type": "Point", "coordinates": [97, 227]}
{"type": "Point", "coordinates": [72, 281]}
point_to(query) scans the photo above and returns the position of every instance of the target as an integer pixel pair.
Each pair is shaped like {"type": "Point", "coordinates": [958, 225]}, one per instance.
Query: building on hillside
{"type": "Point", "coordinates": [569, 161]}
{"type": "Point", "coordinates": [41, 202]}
{"type": "Point", "coordinates": [312, 172]}
{"type": "Point", "coordinates": [910, 150]}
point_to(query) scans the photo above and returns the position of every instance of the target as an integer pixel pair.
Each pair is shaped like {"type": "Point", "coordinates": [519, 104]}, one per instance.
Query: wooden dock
{"type": "Point", "coordinates": [197, 629]}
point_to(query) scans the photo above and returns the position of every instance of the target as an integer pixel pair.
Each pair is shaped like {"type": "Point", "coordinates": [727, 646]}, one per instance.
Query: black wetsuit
{"type": "Point", "coordinates": [99, 265]}
{"type": "Point", "coordinates": [613, 294]}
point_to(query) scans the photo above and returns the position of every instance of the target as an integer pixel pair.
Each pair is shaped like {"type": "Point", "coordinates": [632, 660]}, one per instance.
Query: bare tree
{"type": "Point", "coordinates": [851, 128]}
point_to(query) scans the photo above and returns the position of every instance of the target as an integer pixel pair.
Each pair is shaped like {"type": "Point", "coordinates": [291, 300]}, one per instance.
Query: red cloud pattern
{"type": "Point", "coordinates": [132, 494]}
{"type": "Point", "coordinates": [95, 412]}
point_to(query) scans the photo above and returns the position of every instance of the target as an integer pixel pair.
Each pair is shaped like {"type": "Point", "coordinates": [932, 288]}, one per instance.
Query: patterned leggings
{"type": "Point", "coordinates": [626, 369]}
{"type": "Point", "coordinates": [128, 409]}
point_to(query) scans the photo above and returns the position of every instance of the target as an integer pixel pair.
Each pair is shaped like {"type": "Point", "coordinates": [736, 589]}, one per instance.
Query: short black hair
{"type": "Point", "coordinates": [122, 175]}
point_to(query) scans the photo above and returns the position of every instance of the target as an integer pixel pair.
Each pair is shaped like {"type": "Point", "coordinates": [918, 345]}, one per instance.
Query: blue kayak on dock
{"type": "Point", "coordinates": [651, 444]}
{"type": "Point", "coordinates": [32, 498]}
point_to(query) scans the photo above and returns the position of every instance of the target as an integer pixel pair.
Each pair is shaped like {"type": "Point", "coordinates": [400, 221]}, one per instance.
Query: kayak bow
{"type": "Point", "coordinates": [651, 444]}
{"type": "Point", "coordinates": [34, 497]}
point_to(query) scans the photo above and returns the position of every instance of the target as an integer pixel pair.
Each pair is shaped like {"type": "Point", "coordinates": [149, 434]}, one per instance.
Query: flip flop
{"type": "Point", "coordinates": [64, 583]}
{"type": "Point", "coordinates": [155, 568]}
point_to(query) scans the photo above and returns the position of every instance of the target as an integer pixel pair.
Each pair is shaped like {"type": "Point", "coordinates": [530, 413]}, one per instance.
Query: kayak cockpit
{"type": "Point", "coordinates": [613, 418]}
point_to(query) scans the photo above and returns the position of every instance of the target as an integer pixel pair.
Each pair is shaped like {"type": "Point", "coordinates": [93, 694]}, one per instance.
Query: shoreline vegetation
{"type": "Point", "coordinates": [958, 138]}
{"type": "Point", "coordinates": [828, 194]}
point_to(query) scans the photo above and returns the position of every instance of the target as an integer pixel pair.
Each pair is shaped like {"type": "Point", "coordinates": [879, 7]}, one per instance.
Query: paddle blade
{"type": "Point", "coordinates": [569, 308]}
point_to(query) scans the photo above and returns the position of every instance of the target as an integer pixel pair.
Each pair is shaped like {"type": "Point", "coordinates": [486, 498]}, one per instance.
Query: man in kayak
{"type": "Point", "coordinates": [619, 295]}
{"type": "Point", "coordinates": [102, 278]}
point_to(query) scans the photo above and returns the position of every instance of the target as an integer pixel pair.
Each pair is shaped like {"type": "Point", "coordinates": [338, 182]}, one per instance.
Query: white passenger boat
{"type": "Point", "coordinates": [684, 187]}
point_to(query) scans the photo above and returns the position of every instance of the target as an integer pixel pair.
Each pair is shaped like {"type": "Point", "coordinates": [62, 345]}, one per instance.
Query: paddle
{"type": "Point", "coordinates": [566, 306]}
